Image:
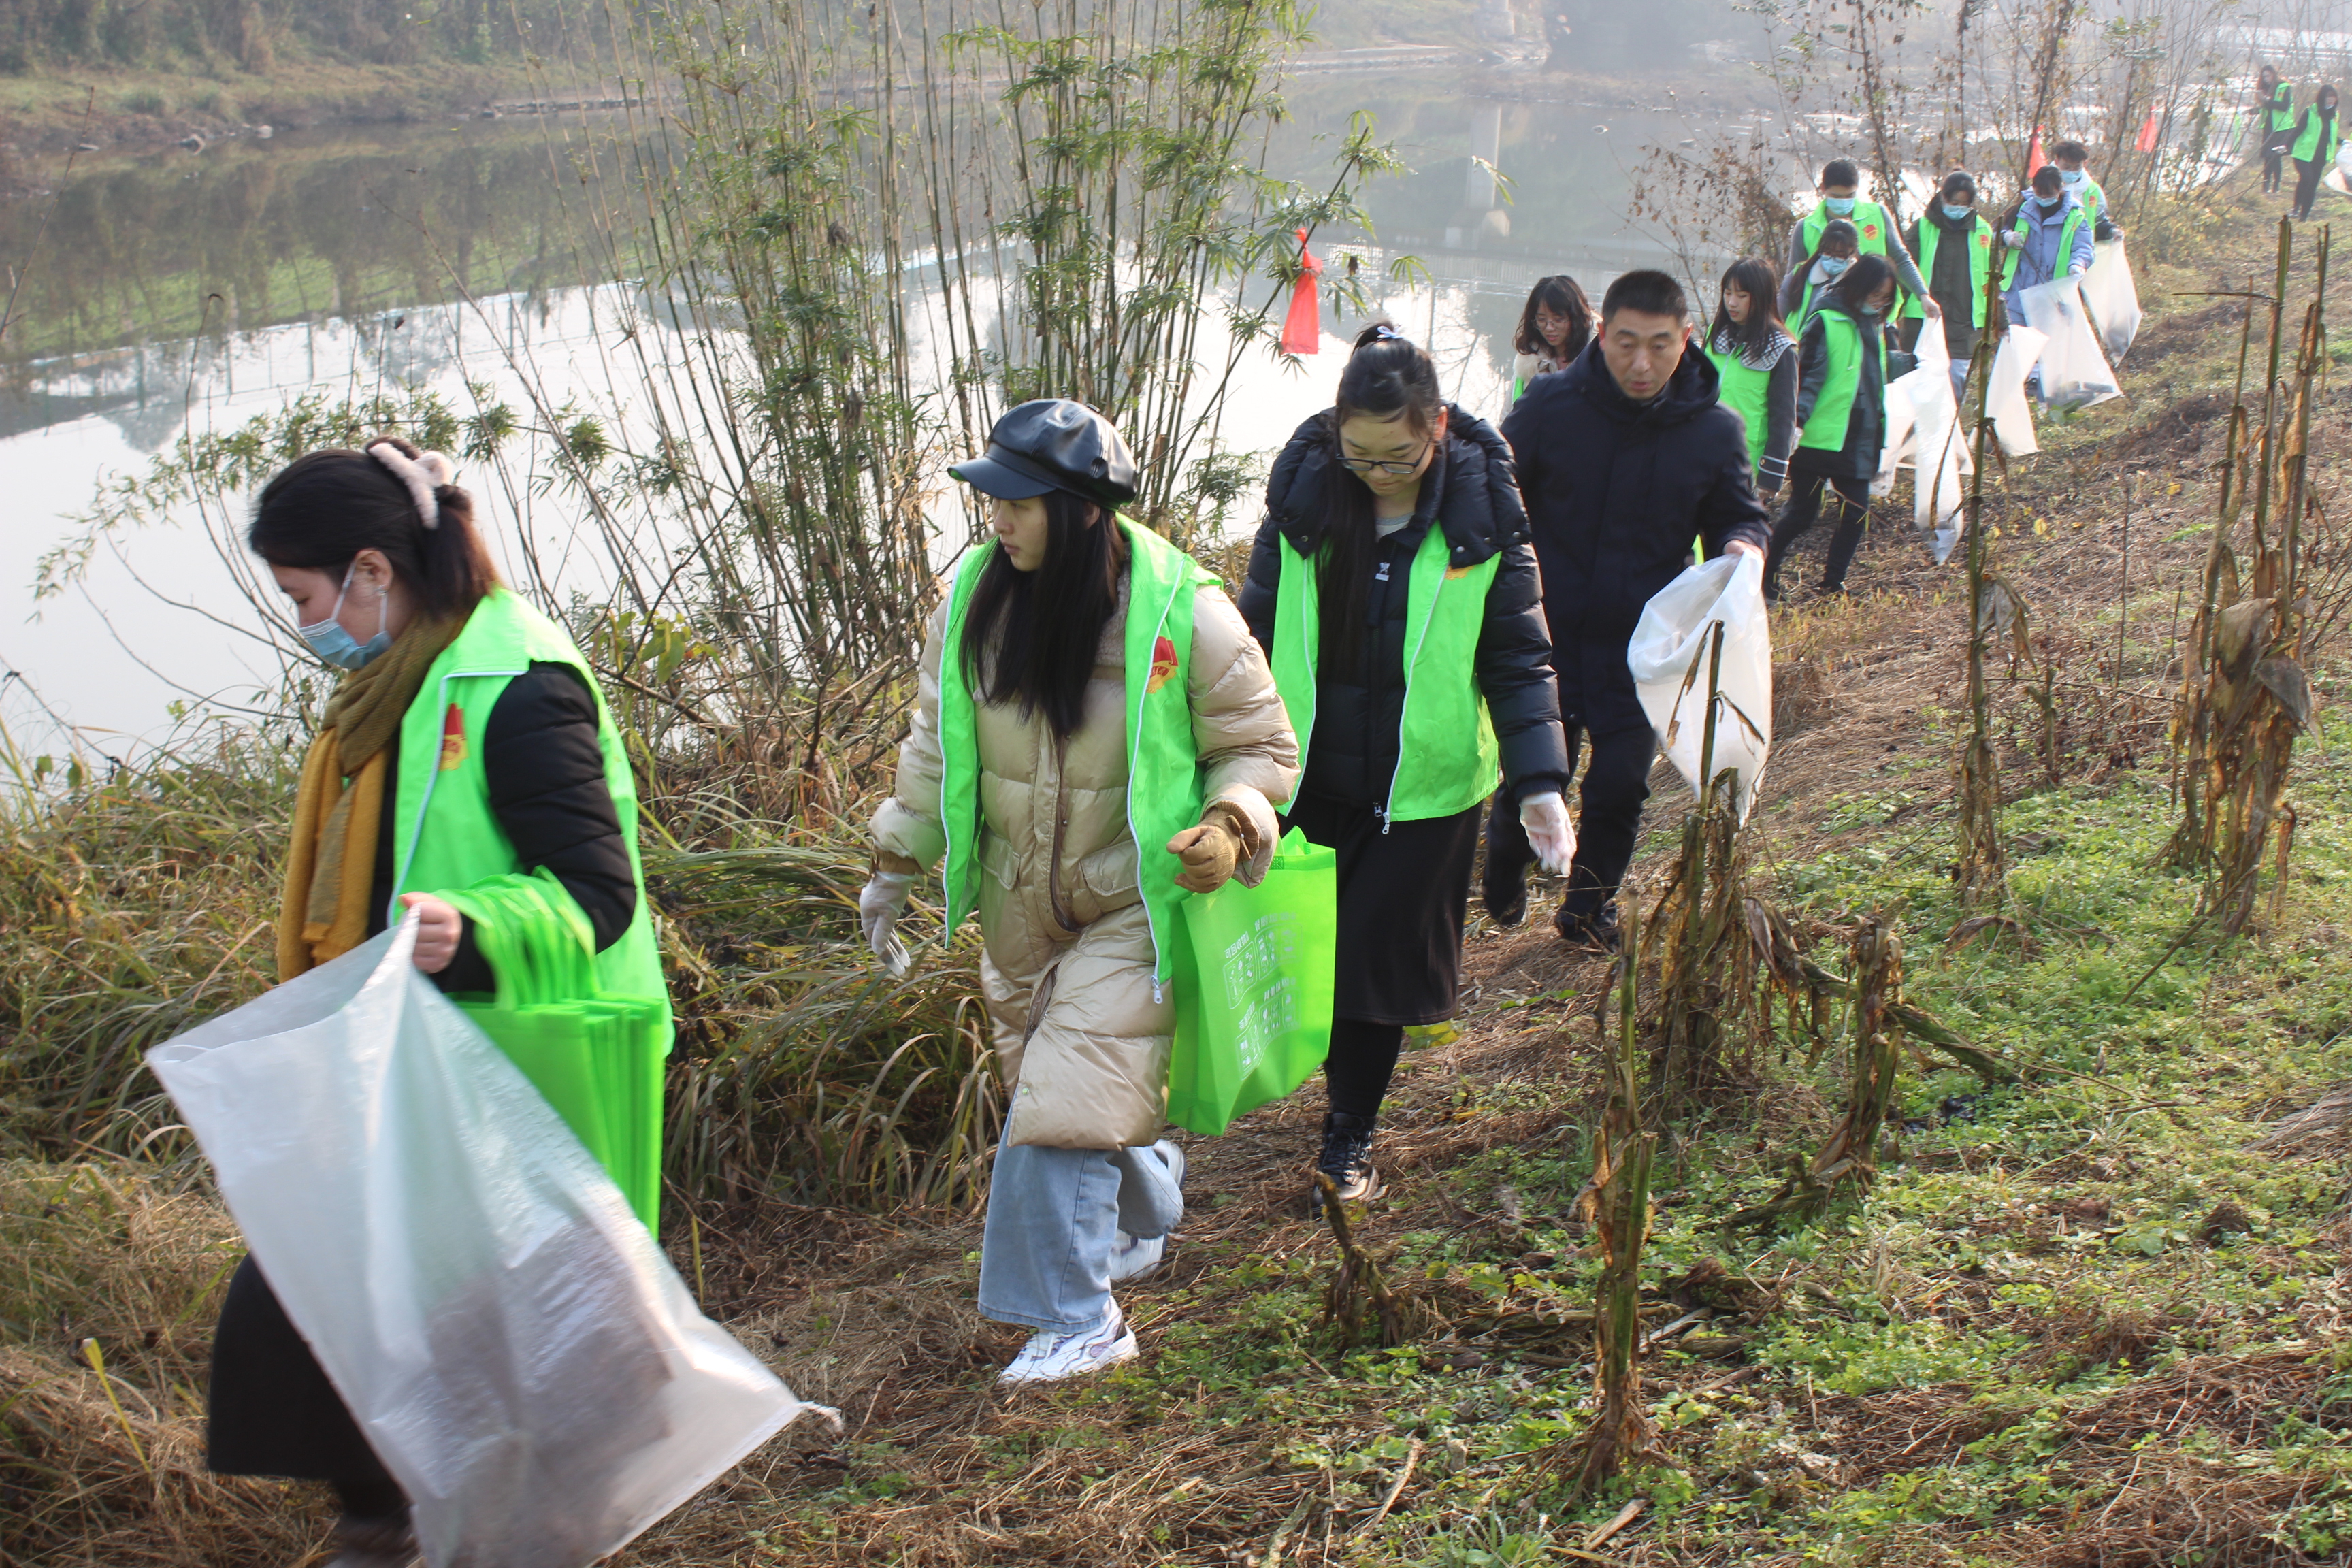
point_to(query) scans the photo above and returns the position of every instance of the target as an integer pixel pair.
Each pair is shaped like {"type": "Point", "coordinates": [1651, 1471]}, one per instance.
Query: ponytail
{"type": "Point", "coordinates": [325, 507]}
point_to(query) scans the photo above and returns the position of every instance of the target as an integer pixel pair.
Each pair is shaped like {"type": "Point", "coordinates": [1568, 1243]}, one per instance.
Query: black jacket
{"type": "Point", "coordinates": [1616, 490]}
{"type": "Point", "coordinates": [1469, 492]}
{"type": "Point", "coordinates": [546, 777]}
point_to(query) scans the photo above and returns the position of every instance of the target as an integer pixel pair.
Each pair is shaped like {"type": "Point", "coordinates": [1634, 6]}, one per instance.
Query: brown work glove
{"type": "Point", "coordinates": [1210, 850]}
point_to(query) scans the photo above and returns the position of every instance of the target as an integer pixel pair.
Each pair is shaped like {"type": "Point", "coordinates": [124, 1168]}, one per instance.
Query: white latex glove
{"type": "Point", "coordinates": [2012, 238]}
{"type": "Point", "coordinates": [1550, 832]}
{"type": "Point", "coordinates": [2076, 270]}
{"type": "Point", "coordinates": [880, 905]}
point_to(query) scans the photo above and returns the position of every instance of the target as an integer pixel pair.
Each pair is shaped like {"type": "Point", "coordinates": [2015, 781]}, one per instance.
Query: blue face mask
{"type": "Point", "coordinates": [2072, 178]}
{"type": "Point", "coordinates": [1833, 265]}
{"type": "Point", "coordinates": [1838, 206]}
{"type": "Point", "coordinates": [2050, 204]}
{"type": "Point", "coordinates": [1958, 215]}
{"type": "Point", "coordinates": [328, 639]}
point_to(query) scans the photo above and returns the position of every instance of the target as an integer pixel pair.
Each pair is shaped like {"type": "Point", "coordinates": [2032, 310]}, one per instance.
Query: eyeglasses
{"type": "Point", "coordinates": [1366, 464]}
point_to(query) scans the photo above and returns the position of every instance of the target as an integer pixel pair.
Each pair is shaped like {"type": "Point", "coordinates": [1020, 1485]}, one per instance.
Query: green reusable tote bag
{"type": "Point", "coordinates": [597, 1059]}
{"type": "Point", "coordinates": [1253, 975]}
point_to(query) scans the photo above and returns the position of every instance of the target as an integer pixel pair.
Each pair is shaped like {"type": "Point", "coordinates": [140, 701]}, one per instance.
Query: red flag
{"type": "Point", "coordinates": [2033, 158]}
{"type": "Point", "coordinates": [2146, 142]}
{"type": "Point", "coordinates": [1302, 330]}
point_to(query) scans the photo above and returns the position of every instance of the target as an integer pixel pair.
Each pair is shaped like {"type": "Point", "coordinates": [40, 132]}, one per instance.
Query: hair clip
{"type": "Point", "coordinates": [423, 474]}
{"type": "Point", "coordinates": [1383, 332]}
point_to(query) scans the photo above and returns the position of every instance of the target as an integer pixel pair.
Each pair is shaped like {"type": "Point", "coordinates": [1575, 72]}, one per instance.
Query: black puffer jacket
{"type": "Point", "coordinates": [1616, 490]}
{"type": "Point", "coordinates": [1471, 493]}
{"type": "Point", "coordinates": [546, 775]}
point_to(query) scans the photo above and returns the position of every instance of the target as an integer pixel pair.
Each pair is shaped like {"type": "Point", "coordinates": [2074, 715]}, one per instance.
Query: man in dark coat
{"type": "Point", "coordinates": [1624, 459]}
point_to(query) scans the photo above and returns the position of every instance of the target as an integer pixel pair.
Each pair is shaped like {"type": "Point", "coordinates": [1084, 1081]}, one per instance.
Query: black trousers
{"type": "Point", "coordinates": [1607, 817]}
{"type": "Point", "coordinates": [1811, 472]}
{"type": "Point", "coordinates": [2307, 185]}
{"type": "Point", "coordinates": [2273, 162]}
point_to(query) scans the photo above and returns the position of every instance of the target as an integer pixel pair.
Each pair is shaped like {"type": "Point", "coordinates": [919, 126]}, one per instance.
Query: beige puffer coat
{"type": "Point", "coordinates": [1082, 1041]}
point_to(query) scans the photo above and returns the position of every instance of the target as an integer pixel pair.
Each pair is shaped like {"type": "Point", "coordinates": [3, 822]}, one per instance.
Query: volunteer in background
{"type": "Point", "coordinates": [1956, 246]}
{"type": "Point", "coordinates": [2051, 238]}
{"type": "Point", "coordinates": [2316, 136]}
{"type": "Point", "coordinates": [1874, 229]}
{"type": "Point", "coordinates": [467, 741]}
{"type": "Point", "coordinates": [1094, 736]}
{"type": "Point", "coordinates": [1624, 458]}
{"type": "Point", "coordinates": [1392, 586]}
{"type": "Point", "coordinates": [1553, 330]}
{"type": "Point", "coordinates": [1832, 253]}
{"type": "Point", "coordinates": [1756, 373]}
{"type": "Point", "coordinates": [2070, 157]}
{"type": "Point", "coordinates": [2275, 111]}
{"type": "Point", "coordinates": [1842, 369]}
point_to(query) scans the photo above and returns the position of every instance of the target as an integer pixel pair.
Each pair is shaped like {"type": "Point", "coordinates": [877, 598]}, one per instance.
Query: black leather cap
{"type": "Point", "coordinates": [1053, 444]}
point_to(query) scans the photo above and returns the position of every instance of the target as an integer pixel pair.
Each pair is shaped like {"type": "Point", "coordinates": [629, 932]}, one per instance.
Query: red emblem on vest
{"type": "Point", "coordinates": [1163, 664]}
{"type": "Point", "coordinates": [1870, 231]}
{"type": "Point", "coordinates": [452, 738]}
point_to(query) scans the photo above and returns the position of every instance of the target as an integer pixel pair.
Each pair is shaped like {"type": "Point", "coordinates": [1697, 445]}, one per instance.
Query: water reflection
{"type": "Point", "coordinates": [180, 290]}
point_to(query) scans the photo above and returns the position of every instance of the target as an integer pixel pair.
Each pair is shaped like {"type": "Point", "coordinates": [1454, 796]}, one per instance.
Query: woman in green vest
{"type": "Point", "coordinates": [467, 741]}
{"type": "Point", "coordinates": [2275, 107]}
{"type": "Point", "coordinates": [2317, 137]}
{"type": "Point", "coordinates": [1819, 269]}
{"type": "Point", "coordinates": [1841, 373]}
{"type": "Point", "coordinates": [1955, 245]}
{"type": "Point", "coordinates": [1755, 372]}
{"type": "Point", "coordinates": [1393, 587]}
{"type": "Point", "coordinates": [1095, 737]}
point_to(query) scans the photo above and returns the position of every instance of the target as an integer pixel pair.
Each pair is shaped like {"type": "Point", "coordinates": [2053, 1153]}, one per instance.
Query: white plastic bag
{"type": "Point", "coordinates": [1669, 655]}
{"type": "Point", "coordinates": [2113, 298]}
{"type": "Point", "coordinates": [2074, 372]}
{"type": "Point", "coordinates": [2006, 404]}
{"type": "Point", "coordinates": [519, 1352]}
{"type": "Point", "coordinates": [1924, 431]}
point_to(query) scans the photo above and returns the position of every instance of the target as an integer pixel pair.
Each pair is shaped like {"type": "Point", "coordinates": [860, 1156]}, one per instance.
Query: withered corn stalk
{"type": "Point", "coordinates": [2244, 695]}
{"type": "Point", "coordinates": [1616, 1203]}
{"type": "Point", "coordinates": [1851, 1152]}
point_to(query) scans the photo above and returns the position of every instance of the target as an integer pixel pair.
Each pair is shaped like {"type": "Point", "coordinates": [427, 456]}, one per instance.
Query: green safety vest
{"type": "Point", "coordinates": [1804, 308]}
{"type": "Point", "coordinates": [1869, 219]}
{"type": "Point", "coordinates": [1741, 387]}
{"type": "Point", "coordinates": [2312, 147]}
{"type": "Point", "coordinates": [2065, 254]}
{"type": "Point", "coordinates": [1164, 766]}
{"type": "Point", "coordinates": [1447, 759]}
{"type": "Point", "coordinates": [1833, 409]}
{"type": "Point", "coordinates": [1979, 263]}
{"type": "Point", "coordinates": [446, 837]}
{"type": "Point", "coordinates": [2283, 107]}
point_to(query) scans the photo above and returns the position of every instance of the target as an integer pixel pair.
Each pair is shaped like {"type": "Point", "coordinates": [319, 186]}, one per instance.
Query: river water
{"type": "Point", "coordinates": [166, 291]}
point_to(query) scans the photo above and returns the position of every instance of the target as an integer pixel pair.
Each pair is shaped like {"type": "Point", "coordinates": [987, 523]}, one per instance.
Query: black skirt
{"type": "Point", "coordinates": [272, 1411]}
{"type": "Point", "coordinates": [1402, 896]}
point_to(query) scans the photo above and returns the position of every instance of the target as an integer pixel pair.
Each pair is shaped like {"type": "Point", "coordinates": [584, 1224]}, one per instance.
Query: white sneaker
{"type": "Point", "coordinates": [1136, 1255]}
{"type": "Point", "coordinates": [1050, 1357]}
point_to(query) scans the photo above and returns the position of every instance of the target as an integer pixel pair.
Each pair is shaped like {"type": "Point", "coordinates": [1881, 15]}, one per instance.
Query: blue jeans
{"type": "Point", "coordinates": [1053, 1219]}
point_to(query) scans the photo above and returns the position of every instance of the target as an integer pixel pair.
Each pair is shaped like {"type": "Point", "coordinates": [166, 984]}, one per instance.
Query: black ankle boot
{"type": "Point", "coordinates": [1347, 1158]}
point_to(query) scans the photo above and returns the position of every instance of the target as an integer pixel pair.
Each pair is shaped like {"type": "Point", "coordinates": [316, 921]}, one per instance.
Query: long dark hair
{"type": "Point", "coordinates": [1386, 376]}
{"type": "Point", "coordinates": [1754, 277]}
{"type": "Point", "coordinates": [2269, 78]}
{"type": "Point", "coordinates": [1852, 289]}
{"type": "Point", "coordinates": [325, 507]}
{"type": "Point", "coordinates": [1560, 292]}
{"type": "Point", "coordinates": [1030, 638]}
